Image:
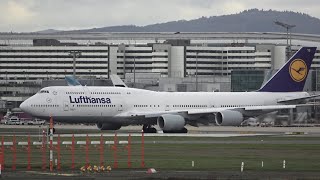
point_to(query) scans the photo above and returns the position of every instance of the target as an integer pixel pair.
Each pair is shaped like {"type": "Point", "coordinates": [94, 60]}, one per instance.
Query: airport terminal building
{"type": "Point", "coordinates": [157, 61]}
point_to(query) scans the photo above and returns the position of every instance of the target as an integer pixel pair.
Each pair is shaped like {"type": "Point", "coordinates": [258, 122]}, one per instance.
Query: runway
{"type": "Point", "coordinates": [204, 131]}
{"type": "Point", "coordinates": [204, 135]}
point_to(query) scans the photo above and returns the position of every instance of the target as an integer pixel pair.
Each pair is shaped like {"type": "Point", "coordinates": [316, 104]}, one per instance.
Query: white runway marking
{"type": "Point", "coordinates": [165, 135]}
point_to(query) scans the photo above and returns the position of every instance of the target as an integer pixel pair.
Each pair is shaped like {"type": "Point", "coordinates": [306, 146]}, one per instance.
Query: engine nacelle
{"type": "Point", "coordinates": [171, 122]}
{"type": "Point", "coordinates": [229, 118]}
{"type": "Point", "coordinates": [108, 126]}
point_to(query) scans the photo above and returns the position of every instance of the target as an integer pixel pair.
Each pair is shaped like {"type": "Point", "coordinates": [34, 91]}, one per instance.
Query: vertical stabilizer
{"type": "Point", "coordinates": [291, 77]}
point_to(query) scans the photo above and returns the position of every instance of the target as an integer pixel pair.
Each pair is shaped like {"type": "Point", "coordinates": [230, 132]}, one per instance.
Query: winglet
{"type": "Point", "coordinates": [291, 77]}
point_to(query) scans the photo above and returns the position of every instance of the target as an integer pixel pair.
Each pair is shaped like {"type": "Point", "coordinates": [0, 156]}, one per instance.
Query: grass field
{"type": "Point", "coordinates": [177, 153]}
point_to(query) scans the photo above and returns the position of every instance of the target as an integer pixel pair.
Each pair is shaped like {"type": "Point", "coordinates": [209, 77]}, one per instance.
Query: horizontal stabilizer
{"type": "Point", "coordinates": [298, 99]}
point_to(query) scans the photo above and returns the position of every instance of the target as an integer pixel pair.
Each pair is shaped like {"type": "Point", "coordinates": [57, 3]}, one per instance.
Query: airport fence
{"type": "Point", "coordinates": [140, 151]}
{"type": "Point", "coordinates": [70, 153]}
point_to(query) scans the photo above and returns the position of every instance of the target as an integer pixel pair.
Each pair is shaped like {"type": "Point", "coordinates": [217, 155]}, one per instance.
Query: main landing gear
{"type": "Point", "coordinates": [184, 130]}
{"type": "Point", "coordinates": [149, 129]}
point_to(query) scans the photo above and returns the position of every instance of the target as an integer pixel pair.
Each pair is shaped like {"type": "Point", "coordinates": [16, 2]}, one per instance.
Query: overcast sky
{"type": "Point", "coordinates": [35, 15]}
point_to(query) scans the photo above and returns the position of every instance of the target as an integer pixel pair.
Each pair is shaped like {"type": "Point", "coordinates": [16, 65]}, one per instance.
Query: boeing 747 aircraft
{"type": "Point", "coordinates": [113, 107]}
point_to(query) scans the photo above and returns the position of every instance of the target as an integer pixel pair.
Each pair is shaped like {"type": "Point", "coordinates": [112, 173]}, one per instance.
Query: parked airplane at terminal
{"type": "Point", "coordinates": [113, 107]}
{"type": "Point", "coordinates": [72, 81]}
{"type": "Point", "coordinates": [116, 81]}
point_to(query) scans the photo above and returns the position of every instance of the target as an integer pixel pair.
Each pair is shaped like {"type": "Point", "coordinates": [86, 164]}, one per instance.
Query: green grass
{"type": "Point", "coordinates": [207, 156]}
{"type": "Point", "coordinates": [230, 156]}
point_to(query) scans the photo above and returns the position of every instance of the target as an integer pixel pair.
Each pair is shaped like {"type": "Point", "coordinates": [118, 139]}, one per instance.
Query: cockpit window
{"type": "Point", "coordinates": [44, 91]}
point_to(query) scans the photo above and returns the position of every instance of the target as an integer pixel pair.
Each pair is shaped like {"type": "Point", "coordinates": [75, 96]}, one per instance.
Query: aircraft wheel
{"type": "Point", "coordinates": [149, 129]}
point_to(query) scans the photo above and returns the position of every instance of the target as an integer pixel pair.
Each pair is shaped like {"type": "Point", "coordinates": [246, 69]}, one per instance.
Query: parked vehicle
{"type": "Point", "coordinates": [3, 121]}
{"type": "Point", "coordinates": [13, 120]}
{"type": "Point", "coordinates": [24, 121]}
{"type": "Point", "coordinates": [36, 122]}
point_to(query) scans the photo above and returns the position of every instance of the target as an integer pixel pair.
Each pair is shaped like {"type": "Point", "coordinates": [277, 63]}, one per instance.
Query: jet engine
{"type": "Point", "coordinates": [108, 126]}
{"type": "Point", "coordinates": [229, 118]}
{"type": "Point", "coordinates": [171, 123]}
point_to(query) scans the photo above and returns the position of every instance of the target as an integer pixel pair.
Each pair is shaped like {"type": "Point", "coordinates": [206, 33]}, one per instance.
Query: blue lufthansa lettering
{"type": "Point", "coordinates": [86, 100]}
{"type": "Point", "coordinates": [103, 101]}
{"type": "Point", "coordinates": [108, 100]}
{"type": "Point", "coordinates": [93, 100]}
{"type": "Point", "coordinates": [71, 100]}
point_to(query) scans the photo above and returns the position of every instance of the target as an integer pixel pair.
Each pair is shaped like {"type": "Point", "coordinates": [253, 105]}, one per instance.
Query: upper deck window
{"type": "Point", "coordinates": [44, 91]}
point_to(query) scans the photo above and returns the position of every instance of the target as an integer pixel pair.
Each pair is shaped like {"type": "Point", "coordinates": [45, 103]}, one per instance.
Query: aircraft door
{"type": "Point", "coordinates": [120, 107]}
{"type": "Point", "coordinates": [167, 107]}
{"type": "Point", "coordinates": [66, 106]}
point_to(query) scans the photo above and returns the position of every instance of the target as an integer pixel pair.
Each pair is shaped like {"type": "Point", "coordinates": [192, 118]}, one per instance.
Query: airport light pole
{"type": "Point", "coordinates": [197, 71]}
{"type": "Point", "coordinates": [227, 63]}
{"type": "Point", "coordinates": [24, 76]}
{"type": "Point", "coordinates": [288, 27]}
{"type": "Point", "coordinates": [6, 82]}
{"type": "Point", "coordinates": [124, 63]}
{"type": "Point", "coordinates": [90, 77]}
{"type": "Point", "coordinates": [74, 55]}
{"type": "Point", "coordinates": [221, 63]}
{"type": "Point", "coordinates": [134, 71]}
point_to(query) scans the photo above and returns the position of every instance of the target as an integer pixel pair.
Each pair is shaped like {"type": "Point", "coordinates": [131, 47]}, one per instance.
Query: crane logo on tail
{"type": "Point", "coordinates": [298, 70]}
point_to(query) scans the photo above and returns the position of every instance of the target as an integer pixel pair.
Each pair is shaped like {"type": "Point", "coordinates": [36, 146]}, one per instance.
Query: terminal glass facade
{"type": "Point", "coordinates": [246, 80]}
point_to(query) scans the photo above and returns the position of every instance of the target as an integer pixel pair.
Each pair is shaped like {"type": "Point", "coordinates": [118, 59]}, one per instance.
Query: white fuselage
{"type": "Point", "coordinates": [103, 104]}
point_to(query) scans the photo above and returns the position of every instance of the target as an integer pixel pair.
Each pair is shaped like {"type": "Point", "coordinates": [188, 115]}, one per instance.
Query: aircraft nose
{"type": "Point", "coordinates": [23, 106]}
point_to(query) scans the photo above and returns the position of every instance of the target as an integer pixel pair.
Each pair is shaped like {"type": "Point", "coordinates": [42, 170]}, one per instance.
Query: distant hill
{"type": "Point", "coordinates": [48, 31]}
{"type": "Point", "coordinates": [252, 20]}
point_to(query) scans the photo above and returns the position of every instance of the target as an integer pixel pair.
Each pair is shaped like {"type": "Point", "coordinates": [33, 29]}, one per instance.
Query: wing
{"type": "Point", "coordinates": [154, 114]}
{"type": "Point", "coordinates": [228, 116]}
{"type": "Point", "coordinates": [148, 114]}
